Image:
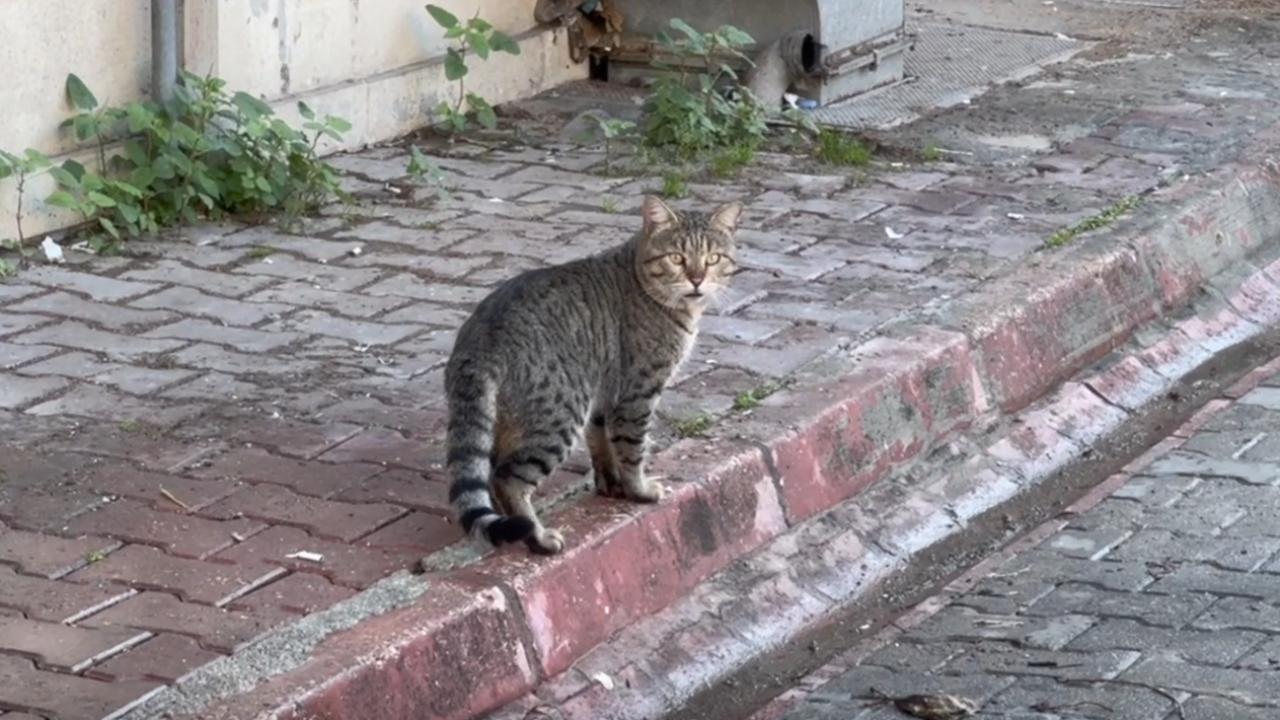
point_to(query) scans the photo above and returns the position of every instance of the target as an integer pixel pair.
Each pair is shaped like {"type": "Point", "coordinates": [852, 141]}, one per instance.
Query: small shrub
{"type": "Point", "coordinates": [695, 116]}
{"type": "Point", "coordinates": [674, 185]}
{"type": "Point", "coordinates": [208, 153]}
{"type": "Point", "coordinates": [696, 426]}
{"type": "Point", "coordinates": [23, 168]}
{"type": "Point", "coordinates": [729, 161]}
{"type": "Point", "coordinates": [837, 148]}
{"type": "Point", "coordinates": [475, 36]}
{"type": "Point", "coordinates": [612, 130]}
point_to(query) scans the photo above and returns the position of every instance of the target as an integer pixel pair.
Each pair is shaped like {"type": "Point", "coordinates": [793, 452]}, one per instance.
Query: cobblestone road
{"type": "Point", "coordinates": [1166, 593]}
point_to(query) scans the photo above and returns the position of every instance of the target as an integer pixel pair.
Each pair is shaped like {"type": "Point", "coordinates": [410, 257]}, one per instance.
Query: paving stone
{"type": "Point", "coordinates": [1188, 463]}
{"type": "Point", "coordinates": [60, 695]}
{"type": "Point", "coordinates": [54, 600]}
{"type": "Point", "coordinates": [133, 380]}
{"type": "Point", "coordinates": [1212, 708]}
{"type": "Point", "coordinates": [65, 648]}
{"type": "Point", "coordinates": [190, 301]}
{"type": "Point", "coordinates": [402, 487]}
{"type": "Point", "coordinates": [12, 356]}
{"type": "Point", "coordinates": [176, 532]}
{"type": "Point", "coordinates": [360, 332]}
{"type": "Point", "coordinates": [300, 593]}
{"type": "Point", "coordinates": [420, 532]}
{"type": "Point", "coordinates": [342, 303]}
{"type": "Point", "coordinates": [1216, 581]}
{"type": "Point", "coordinates": [1163, 547]}
{"type": "Point", "coordinates": [1240, 614]}
{"type": "Point", "coordinates": [350, 565]}
{"type": "Point", "coordinates": [219, 283]}
{"type": "Point", "coordinates": [387, 448]}
{"type": "Point", "coordinates": [17, 391]}
{"type": "Point", "coordinates": [317, 479]}
{"type": "Point", "coordinates": [112, 317]}
{"type": "Point", "coordinates": [411, 286]}
{"type": "Point", "coordinates": [146, 568]}
{"type": "Point", "coordinates": [1033, 632]}
{"type": "Point", "coordinates": [853, 690]}
{"type": "Point", "coordinates": [47, 555]}
{"type": "Point", "coordinates": [11, 323]}
{"type": "Point", "coordinates": [413, 421]}
{"type": "Point", "coordinates": [80, 336]}
{"type": "Point", "coordinates": [1203, 679]}
{"type": "Point", "coordinates": [330, 277]}
{"type": "Point", "coordinates": [323, 518]}
{"type": "Point", "coordinates": [215, 628]}
{"type": "Point", "coordinates": [310, 248]}
{"type": "Point", "coordinates": [1265, 657]}
{"type": "Point", "coordinates": [10, 291]}
{"type": "Point", "coordinates": [165, 658]}
{"type": "Point", "coordinates": [212, 357]}
{"type": "Point", "coordinates": [97, 402]}
{"type": "Point", "coordinates": [97, 287]}
{"type": "Point", "coordinates": [150, 487]}
{"type": "Point", "coordinates": [1221, 648]}
{"type": "Point", "coordinates": [239, 338]}
{"type": "Point", "coordinates": [1079, 700]}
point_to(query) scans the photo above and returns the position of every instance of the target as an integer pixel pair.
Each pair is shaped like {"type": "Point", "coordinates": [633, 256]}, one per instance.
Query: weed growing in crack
{"type": "Point", "coordinates": [699, 106]}
{"type": "Point", "coordinates": [425, 171]}
{"type": "Point", "coordinates": [261, 251]}
{"type": "Point", "coordinates": [751, 399]}
{"type": "Point", "coordinates": [1097, 222]}
{"type": "Point", "coordinates": [609, 205]}
{"type": "Point", "coordinates": [841, 149]}
{"type": "Point", "coordinates": [931, 153]}
{"type": "Point", "coordinates": [206, 153]}
{"type": "Point", "coordinates": [674, 186]}
{"type": "Point", "coordinates": [697, 426]}
{"type": "Point", "coordinates": [475, 36]}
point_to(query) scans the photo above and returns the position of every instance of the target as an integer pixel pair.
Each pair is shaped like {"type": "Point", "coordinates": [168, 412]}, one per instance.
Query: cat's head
{"type": "Point", "coordinates": [686, 258]}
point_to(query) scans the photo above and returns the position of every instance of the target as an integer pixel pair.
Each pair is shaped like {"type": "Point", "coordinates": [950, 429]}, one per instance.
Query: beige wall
{"type": "Point", "coordinates": [374, 62]}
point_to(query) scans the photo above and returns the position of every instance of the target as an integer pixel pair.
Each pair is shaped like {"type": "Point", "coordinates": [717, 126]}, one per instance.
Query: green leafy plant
{"type": "Point", "coordinates": [208, 153]}
{"type": "Point", "coordinates": [23, 168]}
{"type": "Point", "coordinates": [424, 170]}
{"type": "Point", "coordinates": [674, 185]}
{"type": "Point", "coordinates": [7, 268]}
{"type": "Point", "coordinates": [475, 36]}
{"type": "Point", "coordinates": [931, 152]}
{"type": "Point", "coordinates": [697, 426]}
{"type": "Point", "coordinates": [751, 399]}
{"type": "Point", "coordinates": [729, 161]}
{"type": "Point", "coordinates": [609, 205]}
{"type": "Point", "coordinates": [837, 148]}
{"type": "Point", "coordinates": [1096, 222]}
{"type": "Point", "coordinates": [612, 130]}
{"type": "Point", "coordinates": [711, 109]}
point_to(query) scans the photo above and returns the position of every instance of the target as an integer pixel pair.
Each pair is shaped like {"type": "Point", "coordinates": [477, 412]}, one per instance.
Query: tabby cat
{"type": "Point", "coordinates": [597, 338]}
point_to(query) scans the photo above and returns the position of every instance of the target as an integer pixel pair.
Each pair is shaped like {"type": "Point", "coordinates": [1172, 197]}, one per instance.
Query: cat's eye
{"type": "Point", "coordinates": [676, 258]}
{"type": "Point", "coordinates": [714, 258]}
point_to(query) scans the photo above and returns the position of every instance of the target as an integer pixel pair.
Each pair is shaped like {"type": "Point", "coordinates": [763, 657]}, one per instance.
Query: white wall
{"type": "Point", "coordinates": [374, 62]}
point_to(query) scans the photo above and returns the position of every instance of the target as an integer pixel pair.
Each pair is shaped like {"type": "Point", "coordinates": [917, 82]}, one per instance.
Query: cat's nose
{"type": "Point", "coordinates": [696, 280]}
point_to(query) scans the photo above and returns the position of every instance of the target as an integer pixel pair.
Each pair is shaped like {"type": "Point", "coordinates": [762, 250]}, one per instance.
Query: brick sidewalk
{"type": "Point", "coordinates": [1163, 594]}
{"type": "Point", "coordinates": [175, 426]}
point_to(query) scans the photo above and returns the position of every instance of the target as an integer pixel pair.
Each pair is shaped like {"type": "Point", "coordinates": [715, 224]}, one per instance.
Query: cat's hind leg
{"type": "Point", "coordinates": [518, 475]}
{"type": "Point", "coordinates": [604, 465]}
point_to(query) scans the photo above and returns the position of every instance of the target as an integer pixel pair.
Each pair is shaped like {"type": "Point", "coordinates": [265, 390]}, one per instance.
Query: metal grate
{"type": "Point", "coordinates": [951, 64]}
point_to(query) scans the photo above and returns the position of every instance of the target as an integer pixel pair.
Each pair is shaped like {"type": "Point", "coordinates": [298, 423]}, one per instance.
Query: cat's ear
{"type": "Point", "coordinates": [657, 216]}
{"type": "Point", "coordinates": [725, 217]}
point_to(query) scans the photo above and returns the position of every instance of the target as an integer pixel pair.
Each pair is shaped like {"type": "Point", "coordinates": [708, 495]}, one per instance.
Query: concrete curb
{"type": "Point", "coordinates": [896, 399]}
{"type": "Point", "coordinates": [801, 580]}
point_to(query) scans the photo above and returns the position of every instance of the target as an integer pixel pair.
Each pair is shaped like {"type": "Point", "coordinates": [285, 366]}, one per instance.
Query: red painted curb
{"type": "Point", "coordinates": [457, 651]}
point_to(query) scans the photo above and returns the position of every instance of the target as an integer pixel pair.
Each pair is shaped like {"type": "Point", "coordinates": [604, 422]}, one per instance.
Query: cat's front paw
{"type": "Point", "coordinates": [546, 541]}
{"type": "Point", "coordinates": [650, 490]}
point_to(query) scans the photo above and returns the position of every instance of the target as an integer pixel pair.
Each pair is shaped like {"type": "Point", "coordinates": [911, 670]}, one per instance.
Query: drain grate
{"type": "Point", "coordinates": [951, 64]}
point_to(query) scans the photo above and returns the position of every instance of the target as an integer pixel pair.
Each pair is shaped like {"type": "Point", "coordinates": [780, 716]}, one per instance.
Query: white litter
{"type": "Point", "coordinates": [52, 251]}
{"type": "Point", "coordinates": [496, 200]}
{"type": "Point", "coordinates": [1015, 216]}
{"type": "Point", "coordinates": [893, 234]}
{"type": "Point", "coordinates": [356, 251]}
{"type": "Point", "coordinates": [306, 555]}
{"type": "Point", "coordinates": [605, 681]}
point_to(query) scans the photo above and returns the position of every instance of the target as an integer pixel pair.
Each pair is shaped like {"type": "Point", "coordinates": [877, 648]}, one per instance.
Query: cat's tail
{"type": "Point", "coordinates": [470, 438]}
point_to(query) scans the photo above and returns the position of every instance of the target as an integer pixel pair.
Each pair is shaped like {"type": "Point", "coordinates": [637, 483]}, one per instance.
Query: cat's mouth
{"type": "Point", "coordinates": [695, 294]}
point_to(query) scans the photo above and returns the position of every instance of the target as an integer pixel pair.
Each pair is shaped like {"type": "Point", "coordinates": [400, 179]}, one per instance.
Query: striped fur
{"type": "Point", "coordinates": [588, 345]}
